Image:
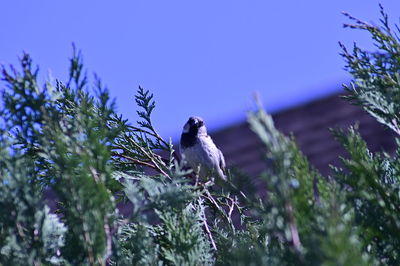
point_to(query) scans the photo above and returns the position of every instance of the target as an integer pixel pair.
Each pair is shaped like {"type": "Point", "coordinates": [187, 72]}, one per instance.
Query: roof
{"type": "Point", "coordinates": [310, 125]}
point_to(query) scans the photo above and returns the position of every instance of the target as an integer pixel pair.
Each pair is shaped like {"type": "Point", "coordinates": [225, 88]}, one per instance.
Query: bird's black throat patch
{"type": "Point", "coordinates": [189, 139]}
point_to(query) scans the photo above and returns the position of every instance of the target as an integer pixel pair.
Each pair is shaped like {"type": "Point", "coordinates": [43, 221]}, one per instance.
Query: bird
{"type": "Point", "coordinates": [199, 151]}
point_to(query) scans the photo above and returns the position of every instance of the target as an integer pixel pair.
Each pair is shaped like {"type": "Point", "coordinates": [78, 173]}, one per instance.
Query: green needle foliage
{"type": "Point", "coordinates": [67, 139]}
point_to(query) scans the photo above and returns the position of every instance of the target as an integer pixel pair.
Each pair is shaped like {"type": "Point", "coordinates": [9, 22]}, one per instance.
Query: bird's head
{"type": "Point", "coordinates": [195, 125]}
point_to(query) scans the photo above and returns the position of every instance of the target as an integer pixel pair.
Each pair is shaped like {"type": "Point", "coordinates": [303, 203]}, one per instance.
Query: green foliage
{"type": "Point", "coordinates": [376, 85]}
{"type": "Point", "coordinates": [67, 138]}
{"type": "Point", "coordinates": [372, 185]}
{"type": "Point", "coordinates": [29, 233]}
{"type": "Point", "coordinates": [61, 131]}
{"type": "Point", "coordinates": [371, 180]}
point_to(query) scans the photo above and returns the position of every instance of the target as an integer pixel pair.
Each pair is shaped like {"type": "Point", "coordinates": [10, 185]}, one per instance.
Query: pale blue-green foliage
{"type": "Point", "coordinates": [53, 234]}
{"type": "Point", "coordinates": [338, 240]}
{"type": "Point", "coordinates": [371, 180]}
{"type": "Point", "coordinates": [376, 79]}
{"type": "Point", "coordinates": [289, 177]}
{"type": "Point", "coordinates": [136, 245]}
{"type": "Point", "coordinates": [168, 195]}
{"type": "Point", "coordinates": [29, 233]}
{"type": "Point", "coordinates": [182, 239]}
{"type": "Point", "coordinates": [301, 224]}
{"type": "Point", "coordinates": [158, 193]}
{"type": "Point", "coordinates": [59, 133]}
{"type": "Point", "coordinates": [372, 184]}
{"type": "Point", "coordinates": [178, 237]}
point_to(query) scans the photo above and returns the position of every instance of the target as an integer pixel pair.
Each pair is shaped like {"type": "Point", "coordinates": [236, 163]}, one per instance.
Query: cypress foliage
{"type": "Point", "coordinates": [66, 137]}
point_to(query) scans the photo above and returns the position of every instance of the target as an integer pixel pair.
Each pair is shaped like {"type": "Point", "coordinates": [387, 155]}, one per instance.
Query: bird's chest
{"type": "Point", "coordinates": [201, 153]}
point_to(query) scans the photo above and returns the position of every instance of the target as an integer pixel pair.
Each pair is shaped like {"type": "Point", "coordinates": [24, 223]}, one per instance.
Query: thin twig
{"type": "Point", "coordinates": [133, 160]}
{"type": "Point", "coordinates": [154, 134]}
{"type": "Point", "coordinates": [94, 174]}
{"type": "Point", "coordinates": [237, 189]}
{"type": "Point", "coordinates": [231, 208]}
{"type": "Point", "coordinates": [213, 201]}
{"type": "Point", "coordinates": [89, 247]}
{"type": "Point", "coordinates": [149, 157]}
{"type": "Point", "coordinates": [136, 161]}
{"type": "Point", "coordinates": [209, 234]}
{"type": "Point", "coordinates": [293, 228]}
{"type": "Point", "coordinates": [157, 136]}
{"type": "Point", "coordinates": [109, 240]}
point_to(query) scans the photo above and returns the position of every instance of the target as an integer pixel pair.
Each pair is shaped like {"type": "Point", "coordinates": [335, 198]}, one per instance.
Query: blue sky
{"type": "Point", "coordinates": [201, 58]}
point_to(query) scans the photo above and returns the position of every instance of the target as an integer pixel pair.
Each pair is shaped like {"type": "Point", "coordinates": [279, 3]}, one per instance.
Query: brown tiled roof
{"type": "Point", "coordinates": [309, 123]}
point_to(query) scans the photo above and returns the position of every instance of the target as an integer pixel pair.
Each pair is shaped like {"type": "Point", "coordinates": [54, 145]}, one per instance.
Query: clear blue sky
{"type": "Point", "coordinates": [198, 57]}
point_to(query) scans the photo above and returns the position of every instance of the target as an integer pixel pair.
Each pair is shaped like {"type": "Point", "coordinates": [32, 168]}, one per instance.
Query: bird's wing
{"type": "Point", "coordinates": [221, 160]}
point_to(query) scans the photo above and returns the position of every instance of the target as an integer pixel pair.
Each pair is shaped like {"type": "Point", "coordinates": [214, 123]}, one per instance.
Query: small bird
{"type": "Point", "coordinates": [199, 151]}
